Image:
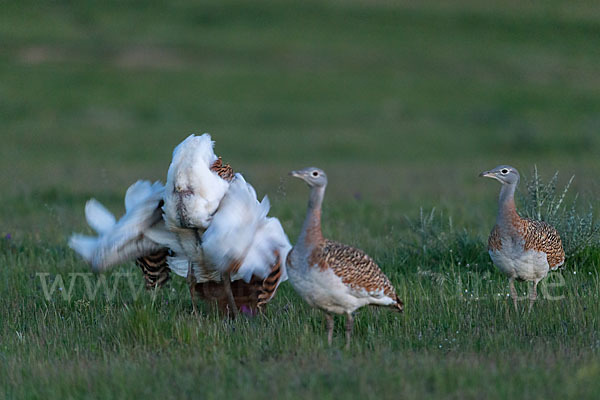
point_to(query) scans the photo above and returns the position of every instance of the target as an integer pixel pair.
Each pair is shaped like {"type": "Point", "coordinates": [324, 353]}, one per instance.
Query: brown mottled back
{"type": "Point", "coordinates": [541, 236]}
{"type": "Point", "coordinates": [354, 266]}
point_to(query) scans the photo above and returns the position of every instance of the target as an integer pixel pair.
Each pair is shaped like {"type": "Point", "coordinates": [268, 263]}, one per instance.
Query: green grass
{"type": "Point", "coordinates": [402, 103]}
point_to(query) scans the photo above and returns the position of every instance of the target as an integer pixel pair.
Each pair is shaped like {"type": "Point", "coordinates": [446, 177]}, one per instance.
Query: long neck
{"type": "Point", "coordinates": [507, 212]}
{"type": "Point", "coordinates": [311, 230]}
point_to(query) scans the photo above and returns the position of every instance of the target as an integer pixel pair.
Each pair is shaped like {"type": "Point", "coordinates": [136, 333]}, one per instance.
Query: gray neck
{"type": "Point", "coordinates": [311, 230]}
{"type": "Point", "coordinates": [506, 204]}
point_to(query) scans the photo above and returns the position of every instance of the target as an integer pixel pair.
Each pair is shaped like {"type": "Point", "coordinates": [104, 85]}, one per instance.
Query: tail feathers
{"type": "Point", "coordinates": [98, 217]}
{"type": "Point", "coordinates": [398, 305]}
{"type": "Point", "coordinates": [124, 240]}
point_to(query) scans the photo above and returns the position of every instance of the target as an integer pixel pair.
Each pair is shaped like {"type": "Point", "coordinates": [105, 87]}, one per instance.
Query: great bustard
{"type": "Point", "coordinates": [521, 248]}
{"type": "Point", "coordinates": [206, 224]}
{"type": "Point", "coordinates": [331, 276]}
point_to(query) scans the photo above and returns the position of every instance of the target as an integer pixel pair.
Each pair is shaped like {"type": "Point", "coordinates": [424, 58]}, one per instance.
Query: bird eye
{"type": "Point", "coordinates": [315, 174]}
{"type": "Point", "coordinates": [504, 171]}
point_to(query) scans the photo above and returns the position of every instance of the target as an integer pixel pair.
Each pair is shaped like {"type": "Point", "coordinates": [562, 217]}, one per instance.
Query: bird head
{"type": "Point", "coordinates": [504, 174]}
{"type": "Point", "coordinates": [313, 176]}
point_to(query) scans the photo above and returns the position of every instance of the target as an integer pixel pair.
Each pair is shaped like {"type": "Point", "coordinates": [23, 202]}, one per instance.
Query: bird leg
{"type": "Point", "coordinates": [192, 286]}
{"type": "Point", "coordinates": [230, 300]}
{"type": "Point", "coordinates": [329, 321]}
{"type": "Point", "coordinates": [533, 295]}
{"type": "Point", "coordinates": [349, 325]}
{"type": "Point", "coordinates": [513, 292]}
{"type": "Point", "coordinates": [193, 294]}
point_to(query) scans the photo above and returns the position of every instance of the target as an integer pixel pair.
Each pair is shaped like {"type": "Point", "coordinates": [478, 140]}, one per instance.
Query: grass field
{"type": "Point", "coordinates": [402, 103]}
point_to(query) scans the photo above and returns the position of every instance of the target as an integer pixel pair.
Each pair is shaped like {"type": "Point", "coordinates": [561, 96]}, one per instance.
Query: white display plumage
{"type": "Point", "coordinates": [98, 217]}
{"type": "Point", "coordinates": [231, 232]}
{"type": "Point", "coordinates": [193, 191]}
{"type": "Point", "coordinates": [123, 240]}
{"type": "Point", "coordinates": [211, 227]}
{"type": "Point", "coordinates": [269, 243]}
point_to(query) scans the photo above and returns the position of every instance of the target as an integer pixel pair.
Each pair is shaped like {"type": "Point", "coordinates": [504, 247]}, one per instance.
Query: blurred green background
{"type": "Point", "coordinates": [403, 103]}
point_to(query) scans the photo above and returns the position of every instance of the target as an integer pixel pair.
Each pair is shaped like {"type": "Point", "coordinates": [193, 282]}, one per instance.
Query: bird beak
{"type": "Point", "coordinates": [295, 174]}
{"type": "Point", "coordinates": [487, 174]}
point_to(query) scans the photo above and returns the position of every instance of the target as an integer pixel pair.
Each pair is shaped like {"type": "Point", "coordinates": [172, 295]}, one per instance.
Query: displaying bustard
{"type": "Point", "coordinates": [331, 276]}
{"type": "Point", "coordinates": [521, 248]}
{"type": "Point", "coordinates": [206, 224]}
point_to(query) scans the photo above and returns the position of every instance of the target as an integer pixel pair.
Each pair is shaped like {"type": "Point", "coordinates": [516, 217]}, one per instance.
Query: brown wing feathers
{"type": "Point", "coordinates": [155, 269]}
{"type": "Point", "coordinates": [270, 283]}
{"type": "Point", "coordinates": [542, 237]}
{"type": "Point", "coordinates": [355, 267]}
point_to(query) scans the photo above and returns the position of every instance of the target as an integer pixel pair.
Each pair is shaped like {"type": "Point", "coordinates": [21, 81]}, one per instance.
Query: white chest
{"type": "Point", "coordinates": [320, 288]}
{"type": "Point", "coordinates": [514, 261]}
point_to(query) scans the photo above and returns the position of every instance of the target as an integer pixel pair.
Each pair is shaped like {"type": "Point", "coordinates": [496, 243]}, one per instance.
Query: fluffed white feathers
{"type": "Point", "coordinates": [233, 227]}
{"type": "Point", "coordinates": [269, 243]}
{"type": "Point", "coordinates": [193, 191]}
{"type": "Point", "coordinates": [84, 245]}
{"type": "Point", "coordinates": [142, 195]}
{"type": "Point", "coordinates": [179, 265]}
{"type": "Point", "coordinates": [123, 240]}
{"type": "Point", "coordinates": [98, 217]}
{"type": "Point", "coordinates": [206, 222]}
